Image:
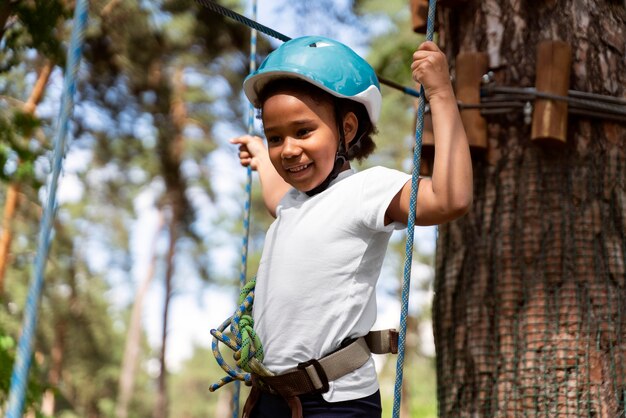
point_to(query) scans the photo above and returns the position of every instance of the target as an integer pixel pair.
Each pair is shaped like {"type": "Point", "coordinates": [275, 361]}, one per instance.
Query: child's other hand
{"type": "Point", "coordinates": [250, 149]}
{"type": "Point", "coordinates": [430, 69]}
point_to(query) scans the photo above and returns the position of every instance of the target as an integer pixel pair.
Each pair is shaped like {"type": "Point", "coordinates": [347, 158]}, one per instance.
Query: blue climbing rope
{"type": "Point", "coordinates": [248, 203]}
{"type": "Point", "coordinates": [406, 281]}
{"type": "Point", "coordinates": [19, 376]}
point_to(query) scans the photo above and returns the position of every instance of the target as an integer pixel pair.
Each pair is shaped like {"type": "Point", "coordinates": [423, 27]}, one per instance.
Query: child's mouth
{"type": "Point", "coordinates": [298, 168]}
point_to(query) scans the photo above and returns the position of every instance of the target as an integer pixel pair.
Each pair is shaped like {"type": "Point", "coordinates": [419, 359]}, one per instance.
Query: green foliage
{"type": "Point", "coordinates": [14, 128]}
{"type": "Point", "coordinates": [34, 388]}
{"type": "Point", "coordinates": [419, 385]}
{"type": "Point", "coordinates": [7, 345]}
{"type": "Point", "coordinates": [36, 24]}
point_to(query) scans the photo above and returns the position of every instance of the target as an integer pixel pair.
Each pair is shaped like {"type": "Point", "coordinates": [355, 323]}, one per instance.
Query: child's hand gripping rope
{"type": "Point", "coordinates": [246, 344]}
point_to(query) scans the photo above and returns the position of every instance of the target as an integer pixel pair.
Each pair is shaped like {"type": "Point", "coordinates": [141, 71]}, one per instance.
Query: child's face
{"type": "Point", "coordinates": [302, 137]}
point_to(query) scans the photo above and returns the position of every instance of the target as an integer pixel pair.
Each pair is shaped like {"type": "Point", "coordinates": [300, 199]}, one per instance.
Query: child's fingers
{"type": "Point", "coordinates": [428, 50]}
{"type": "Point", "coordinates": [428, 46]}
{"type": "Point", "coordinates": [244, 139]}
{"type": "Point", "coordinates": [243, 152]}
{"type": "Point", "coordinates": [249, 148]}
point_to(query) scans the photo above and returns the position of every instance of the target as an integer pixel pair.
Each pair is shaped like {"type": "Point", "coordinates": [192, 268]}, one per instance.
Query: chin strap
{"type": "Point", "coordinates": [341, 157]}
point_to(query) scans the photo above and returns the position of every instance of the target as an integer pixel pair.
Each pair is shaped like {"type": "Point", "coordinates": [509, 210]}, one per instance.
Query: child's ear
{"type": "Point", "coordinates": [350, 126]}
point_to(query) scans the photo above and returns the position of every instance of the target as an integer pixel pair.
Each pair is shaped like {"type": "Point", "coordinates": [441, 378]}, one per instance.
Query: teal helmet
{"type": "Point", "coordinates": [325, 63]}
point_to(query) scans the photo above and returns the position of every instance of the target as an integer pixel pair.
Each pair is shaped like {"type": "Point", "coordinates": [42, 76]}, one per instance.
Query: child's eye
{"type": "Point", "coordinates": [273, 140]}
{"type": "Point", "coordinates": [303, 132]}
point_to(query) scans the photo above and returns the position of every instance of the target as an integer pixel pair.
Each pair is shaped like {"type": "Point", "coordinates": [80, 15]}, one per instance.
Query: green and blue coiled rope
{"type": "Point", "coordinates": [242, 340]}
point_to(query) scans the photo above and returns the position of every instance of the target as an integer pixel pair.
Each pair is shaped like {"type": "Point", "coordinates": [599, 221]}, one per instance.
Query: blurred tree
{"type": "Point", "coordinates": [171, 72]}
{"type": "Point", "coordinates": [24, 27]}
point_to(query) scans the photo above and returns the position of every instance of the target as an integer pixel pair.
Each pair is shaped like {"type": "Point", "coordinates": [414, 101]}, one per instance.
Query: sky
{"type": "Point", "coordinates": [196, 309]}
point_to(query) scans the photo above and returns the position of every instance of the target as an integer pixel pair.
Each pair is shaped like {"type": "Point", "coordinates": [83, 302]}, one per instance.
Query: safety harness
{"type": "Point", "coordinates": [314, 376]}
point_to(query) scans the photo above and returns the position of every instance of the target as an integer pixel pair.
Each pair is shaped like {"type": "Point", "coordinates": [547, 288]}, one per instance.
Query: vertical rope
{"type": "Point", "coordinates": [406, 282]}
{"type": "Point", "coordinates": [21, 367]}
{"type": "Point", "coordinates": [248, 203]}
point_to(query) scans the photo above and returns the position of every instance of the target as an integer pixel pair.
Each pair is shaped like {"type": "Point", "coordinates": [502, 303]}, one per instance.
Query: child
{"type": "Point", "coordinates": [315, 290]}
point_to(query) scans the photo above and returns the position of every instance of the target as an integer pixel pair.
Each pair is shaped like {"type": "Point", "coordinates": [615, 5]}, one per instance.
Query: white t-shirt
{"type": "Point", "coordinates": [316, 282]}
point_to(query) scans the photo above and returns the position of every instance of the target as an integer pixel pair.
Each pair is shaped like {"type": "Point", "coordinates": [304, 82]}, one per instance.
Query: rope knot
{"type": "Point", "coordinates": [246, 344]}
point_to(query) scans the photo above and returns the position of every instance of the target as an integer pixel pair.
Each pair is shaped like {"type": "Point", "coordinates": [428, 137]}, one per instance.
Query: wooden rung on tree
{"type": "Point", "coordinates": [553, 72]}
{"type": "Point", "coordinates": [470, 68]}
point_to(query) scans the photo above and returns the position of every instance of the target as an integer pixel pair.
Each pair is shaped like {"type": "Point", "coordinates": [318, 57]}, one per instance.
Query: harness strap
{"type": "Point", "coordinates": [313, 376]}
{"type": "Point", "coordinates": [383, 341]}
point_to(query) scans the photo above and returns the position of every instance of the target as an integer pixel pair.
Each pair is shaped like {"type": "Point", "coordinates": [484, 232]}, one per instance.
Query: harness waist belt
{"type": "Point", "coordinates": [313, 376]}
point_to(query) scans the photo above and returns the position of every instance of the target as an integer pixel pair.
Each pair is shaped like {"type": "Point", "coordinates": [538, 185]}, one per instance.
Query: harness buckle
{"type": "Point", "coordinates": [316, 374]}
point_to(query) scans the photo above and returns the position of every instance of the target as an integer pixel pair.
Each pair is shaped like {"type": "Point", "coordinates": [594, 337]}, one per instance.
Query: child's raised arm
{"type": "Point", "coordinates": [252, 152]}
{"type": "Point", "coordinates": [448, 193]}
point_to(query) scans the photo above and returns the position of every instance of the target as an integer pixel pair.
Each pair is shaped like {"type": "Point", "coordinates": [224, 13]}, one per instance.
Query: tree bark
{"type": "Point", "coordinates": [530, 288]}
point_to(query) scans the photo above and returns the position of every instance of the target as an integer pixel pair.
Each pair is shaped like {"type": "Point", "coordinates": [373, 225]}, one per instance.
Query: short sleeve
{"type": "Point", "coordinates": [379, 187]}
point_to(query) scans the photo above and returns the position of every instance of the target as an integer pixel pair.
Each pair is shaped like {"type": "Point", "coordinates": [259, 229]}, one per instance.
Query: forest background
{"type": "Point", "coordinates": [148, 234]}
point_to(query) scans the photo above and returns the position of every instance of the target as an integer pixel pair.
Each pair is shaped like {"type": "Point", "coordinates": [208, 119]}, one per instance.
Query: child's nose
{"type": "Point", "coordinates": [290, 148]}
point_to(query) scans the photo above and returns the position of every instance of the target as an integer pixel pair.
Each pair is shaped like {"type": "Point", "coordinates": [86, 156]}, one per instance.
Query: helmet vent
{"type": "Point", "coordinates": [319, 44]}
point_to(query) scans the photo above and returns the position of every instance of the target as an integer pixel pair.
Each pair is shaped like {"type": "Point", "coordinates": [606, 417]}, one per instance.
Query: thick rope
{"type": "Point", "coordinates": [248, 202]}
{"type": "Point", "coordinates": [21, 367]}
{"type": "Point", "coordinates": [406, 282]}
{"type": "Point", "coordinates": [210, 4]}
{"type": "Point", "coordinates": [242, 340]}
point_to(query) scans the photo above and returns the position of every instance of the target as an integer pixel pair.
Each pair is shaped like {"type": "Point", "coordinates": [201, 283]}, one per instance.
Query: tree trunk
{"type": "Point", "coordinates": [171, 157]}
{"type": "Point", "coordinates": [56, 367]}
{"type": "Point", "coordinates": [162, 402]}
{"type": "Point", "coordinates": [10, 207]}
{"type": "Point", "coordinates": [133, 338]}
{"type": "Point", "coordinates": [530, 288]}
{"type": "Point", "coordinates": [12, 200]}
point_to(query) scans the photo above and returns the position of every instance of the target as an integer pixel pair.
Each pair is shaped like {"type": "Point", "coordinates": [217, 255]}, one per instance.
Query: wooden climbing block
{"type": "Point", "coordinates": [553, 72]}
{"type": "Point", "coordinates": [470, 68]}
